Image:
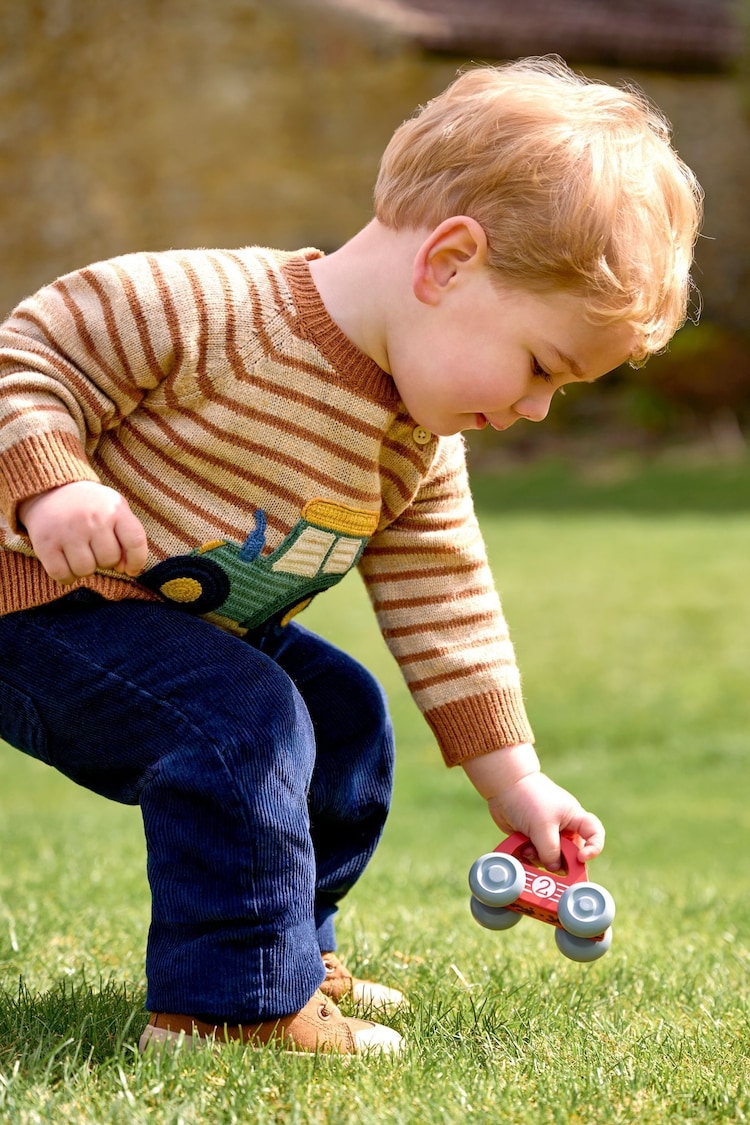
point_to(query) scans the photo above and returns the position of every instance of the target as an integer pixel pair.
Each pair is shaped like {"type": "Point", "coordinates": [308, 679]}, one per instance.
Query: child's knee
{"type": "Point", "coordinates": [262, 717]}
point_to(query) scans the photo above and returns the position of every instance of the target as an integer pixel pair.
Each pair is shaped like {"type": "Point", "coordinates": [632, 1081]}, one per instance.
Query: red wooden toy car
{"type": "Point", "coordinates": [504, 887]}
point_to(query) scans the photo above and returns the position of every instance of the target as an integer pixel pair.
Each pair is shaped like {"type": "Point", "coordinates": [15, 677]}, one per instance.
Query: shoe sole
{"type": "Point", "coordinates": [163, 1039]}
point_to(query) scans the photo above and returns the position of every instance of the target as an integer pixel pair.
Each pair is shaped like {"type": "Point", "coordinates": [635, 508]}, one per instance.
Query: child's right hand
{"type": "Point", "coordinates": [80, 527]}
{"type": "Point", "coordinates": [520, 798]}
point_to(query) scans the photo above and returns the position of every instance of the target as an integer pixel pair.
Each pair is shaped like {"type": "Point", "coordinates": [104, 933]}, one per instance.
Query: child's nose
{"type": "Point", "coordinates": [534, 408]}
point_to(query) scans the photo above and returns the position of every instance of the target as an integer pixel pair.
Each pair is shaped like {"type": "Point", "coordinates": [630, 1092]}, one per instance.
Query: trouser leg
{"type": "Point", "coordinates": [146, 705]}
{"type": "Point", "coordinates": [352, 780]}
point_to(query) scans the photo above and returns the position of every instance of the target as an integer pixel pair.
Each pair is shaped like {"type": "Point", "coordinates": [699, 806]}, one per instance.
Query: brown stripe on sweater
{"type": "Point", "coordinates": [447, 625]}
{"type": "Point", "coordinates": [406, 576]}
{"type": "Point", "coordinates": [231, 496]}
{"type": "Point", "coordinates": [159, 485]}
{"type": "Point", "coordinates": [400, 481]}
{"type": "Point", "coordinates": [283, 301]}
{"type": "Point", "coordinates": [467, 593]}
{"type": "Point", "coordinates": [278, 457]}
{"type": "Point", "coordinates": [299, 398]}
{"type": "Point", "coordinates": [124, 385]}
{"type": "Point", "coordinates": [435, 494]}
{"type": "Point", "coordinates": [71, 378]}
{"type": "Point", "coordinates": [447, 479]}
{"type": "Point", "coordinates": [90, 343]}
{"type": "Point", "coordinates": [230, 330]}
{"type": "Point", "coordinates": [388, 514]}
{"type": "Point", "coordinates": [308, 402]}
{"type": "Point", "coordinates": [466, 671]}
{"type": "Point", "coordinates": [170, 314]}
{"type": "Point", "coordinates": [424, 550]}
{"type": "Point", "coordinates": [270, 486]}
{"type": "Point", "coordinates": [33, 408]}
{"type": "Point", "coordinates": [436, 505]}
{"type": "Point", "coordinates": [406, 523]}
{"type": "Point", "coordinates": [291, 429]}
{"type": "Point", "coordinates": [22, 313]}
{"type": "Point", "coordinates": [441, 651]}
{"type": "Point", "coordinates": [201, 309]}
{"type": "Point", "coordinates": [141, 504]}
{"type": "Point", "coordinates": [140, 319]}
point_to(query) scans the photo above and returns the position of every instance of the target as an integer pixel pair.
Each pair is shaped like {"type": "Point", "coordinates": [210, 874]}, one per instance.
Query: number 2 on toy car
{"type": "Point", "coordinates": [544, 886]}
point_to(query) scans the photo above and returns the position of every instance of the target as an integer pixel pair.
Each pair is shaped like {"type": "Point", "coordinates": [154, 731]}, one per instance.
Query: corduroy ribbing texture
{"type": "Point", "coordinates": [212, 389]}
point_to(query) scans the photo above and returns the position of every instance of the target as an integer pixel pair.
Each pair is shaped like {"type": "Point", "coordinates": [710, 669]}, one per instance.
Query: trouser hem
{"type": "Point", "coordinates": [230, 978]}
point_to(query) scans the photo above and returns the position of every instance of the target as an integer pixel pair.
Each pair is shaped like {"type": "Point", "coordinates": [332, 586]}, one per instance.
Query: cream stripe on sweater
{"type": "Point", "coordinates": [212, 389]}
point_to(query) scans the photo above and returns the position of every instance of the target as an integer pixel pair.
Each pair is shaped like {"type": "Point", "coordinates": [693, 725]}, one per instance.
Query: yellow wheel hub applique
{"type": "Point", "coordinates": [182, 589]}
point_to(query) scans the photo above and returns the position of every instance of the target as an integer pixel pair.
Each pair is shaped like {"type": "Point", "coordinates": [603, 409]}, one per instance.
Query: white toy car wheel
{"type": "Point", "coordinates": [586, 909]}
{"type": "Point", "coordinates": [493, 917]}
{"type": "Point", "coordinates": [581, 948]}
{"type": "Point", "coordinates": [497, 879]}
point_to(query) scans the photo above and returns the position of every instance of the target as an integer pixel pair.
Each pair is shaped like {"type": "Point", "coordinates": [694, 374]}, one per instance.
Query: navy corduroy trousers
{"type": "Point", "coordinates": [263, 772]}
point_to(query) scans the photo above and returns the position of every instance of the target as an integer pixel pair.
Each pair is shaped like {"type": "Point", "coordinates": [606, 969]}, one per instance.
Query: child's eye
{"type": "Point", "coordinates": [538, 370]}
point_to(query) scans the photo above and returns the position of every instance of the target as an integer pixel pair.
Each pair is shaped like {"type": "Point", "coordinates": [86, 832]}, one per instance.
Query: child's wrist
{"type": "Point", "coordinates": [497, 771]}
{"type": "Point", "coordinates": [25, 506]}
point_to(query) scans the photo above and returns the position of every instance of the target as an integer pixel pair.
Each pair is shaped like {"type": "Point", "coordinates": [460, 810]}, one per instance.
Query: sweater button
{"type": "Point", "coordinates": [421, 435]}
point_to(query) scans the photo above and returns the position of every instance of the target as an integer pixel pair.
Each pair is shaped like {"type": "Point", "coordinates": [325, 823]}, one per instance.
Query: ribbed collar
{"type": "Point", "coordinates": [315, 324]}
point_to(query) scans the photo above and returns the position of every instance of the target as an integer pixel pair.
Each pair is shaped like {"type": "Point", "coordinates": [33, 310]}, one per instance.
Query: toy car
{"type": "Point", "coordinates": [504, 887]}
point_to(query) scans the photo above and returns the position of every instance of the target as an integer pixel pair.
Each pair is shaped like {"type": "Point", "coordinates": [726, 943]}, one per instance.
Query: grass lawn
{"type": "Point", "coordinates": [629, 601]}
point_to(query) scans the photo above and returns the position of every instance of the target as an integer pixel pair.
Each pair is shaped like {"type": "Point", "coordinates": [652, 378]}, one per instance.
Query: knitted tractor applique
{"type": "Point", "coordinates": [237, 582]}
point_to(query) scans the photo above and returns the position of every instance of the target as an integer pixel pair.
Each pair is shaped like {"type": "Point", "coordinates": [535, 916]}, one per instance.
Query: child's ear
{"type": "Point", "coordinates": [453, 249]}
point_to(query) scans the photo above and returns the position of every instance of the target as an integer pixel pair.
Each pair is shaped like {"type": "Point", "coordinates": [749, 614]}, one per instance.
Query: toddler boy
{"type": "Point", "coordinates": [194, 444]}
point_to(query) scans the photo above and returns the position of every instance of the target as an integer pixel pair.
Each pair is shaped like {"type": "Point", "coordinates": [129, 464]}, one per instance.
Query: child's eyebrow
{"type": "Point", "coordinates": [570, 363]}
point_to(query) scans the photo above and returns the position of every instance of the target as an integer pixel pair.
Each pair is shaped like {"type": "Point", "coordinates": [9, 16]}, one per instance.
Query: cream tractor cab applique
{"type": "Point", "coordinates": [238, 583]}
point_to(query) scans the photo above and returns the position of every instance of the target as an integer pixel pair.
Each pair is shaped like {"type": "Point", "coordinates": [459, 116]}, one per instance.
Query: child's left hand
{"type": "Point", "coordinates": [520, 798]}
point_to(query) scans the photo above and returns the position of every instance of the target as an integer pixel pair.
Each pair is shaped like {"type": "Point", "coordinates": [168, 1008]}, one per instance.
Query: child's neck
{"type": "Point", "coordinates": [359, 282]}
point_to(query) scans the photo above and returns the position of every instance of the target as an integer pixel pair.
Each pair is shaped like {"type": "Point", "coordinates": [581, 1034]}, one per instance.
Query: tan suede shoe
{"type": "Point", "coordinates": [319, 1026]}
{"type": "Point", "coordinates": [340, 983]}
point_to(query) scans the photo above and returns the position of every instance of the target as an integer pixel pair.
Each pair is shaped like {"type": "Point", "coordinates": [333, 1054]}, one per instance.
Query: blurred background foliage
{"type": "Point", "coordinates": [153, 124]}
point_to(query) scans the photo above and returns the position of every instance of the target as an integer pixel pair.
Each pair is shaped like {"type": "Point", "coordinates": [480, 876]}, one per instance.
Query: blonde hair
{"type": "Point", "coordinates": [575, 183]}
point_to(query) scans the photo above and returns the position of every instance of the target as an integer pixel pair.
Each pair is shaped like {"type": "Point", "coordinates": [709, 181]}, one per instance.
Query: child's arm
{"type": "Point", "coordinates": [82, 354]}
{"type": "Point", "coordinates": [78, 527]}
{"type": "Point", "coordinates": [520, 798]}
{"type": "Point", "coordinates": [432, 589]}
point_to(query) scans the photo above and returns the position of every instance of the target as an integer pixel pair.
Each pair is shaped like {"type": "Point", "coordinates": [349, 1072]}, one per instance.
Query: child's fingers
{"type": "Point", "coordinates": [106, 550]}
{"type": "Point", "coordinates": [55, 562]}
{"type": "Point", "coordinates": [546, 840]}
{"type": "Point", "coordinates": [133, 545]}
{"type": "Point", "coordinates": [68, 560]}
{"type": "Point", "coordinates": [591, 830]}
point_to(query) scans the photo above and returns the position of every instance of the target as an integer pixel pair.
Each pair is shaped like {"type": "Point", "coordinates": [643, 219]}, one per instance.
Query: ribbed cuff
{"type": "Point", "coordinates": [470, 727]}
{"type": "Point", "coordinates": [37, 463]}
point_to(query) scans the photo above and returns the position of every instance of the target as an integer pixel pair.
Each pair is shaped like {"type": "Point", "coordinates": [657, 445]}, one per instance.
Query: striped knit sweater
{"type": "Point", "coordinates": [265, 456]}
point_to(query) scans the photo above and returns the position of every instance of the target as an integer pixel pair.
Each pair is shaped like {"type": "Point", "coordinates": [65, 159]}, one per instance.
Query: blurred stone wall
{"type": "Point", "coordinates": [143, 124]}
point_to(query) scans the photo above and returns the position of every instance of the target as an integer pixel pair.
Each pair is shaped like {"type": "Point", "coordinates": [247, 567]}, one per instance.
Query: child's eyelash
{"type": "Point", "coordinates": [537, 369]}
